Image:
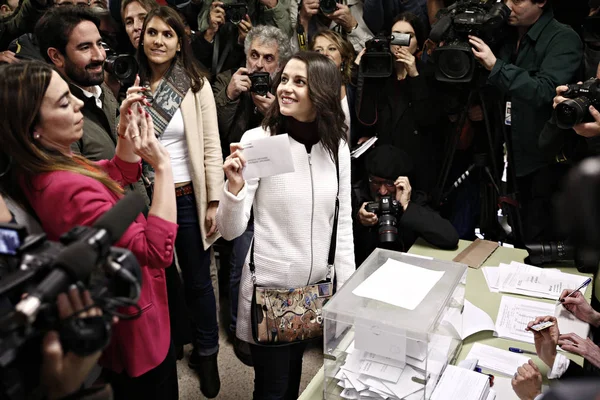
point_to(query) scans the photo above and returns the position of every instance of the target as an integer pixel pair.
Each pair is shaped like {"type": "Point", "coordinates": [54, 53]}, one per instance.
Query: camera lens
{"type": "Point", "coordinates": [454, 64]}
{"type": "Point", "coordinates": [388, 232]}
{"type": "Point", "coordinates": [571, 112]}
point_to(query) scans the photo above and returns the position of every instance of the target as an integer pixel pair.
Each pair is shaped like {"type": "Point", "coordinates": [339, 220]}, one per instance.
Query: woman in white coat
{"type": "Point", "coordinates": [293, 212]}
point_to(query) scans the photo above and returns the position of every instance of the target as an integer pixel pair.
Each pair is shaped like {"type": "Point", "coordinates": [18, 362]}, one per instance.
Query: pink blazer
{"type": "Point", "coordinates": [63, 200]}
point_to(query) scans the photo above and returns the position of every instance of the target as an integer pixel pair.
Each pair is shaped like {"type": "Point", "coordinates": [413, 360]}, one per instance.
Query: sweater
{"type": "Point", "coordinates": [293, 220]}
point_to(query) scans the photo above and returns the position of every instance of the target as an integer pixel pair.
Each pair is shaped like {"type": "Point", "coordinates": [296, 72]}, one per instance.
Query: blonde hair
{"type": "Point", "coordinates": [344, 47]}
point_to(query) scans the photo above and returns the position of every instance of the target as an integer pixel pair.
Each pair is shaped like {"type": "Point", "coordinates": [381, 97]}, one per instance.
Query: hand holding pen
{"type": "Point", "coordinates": [575, 303]}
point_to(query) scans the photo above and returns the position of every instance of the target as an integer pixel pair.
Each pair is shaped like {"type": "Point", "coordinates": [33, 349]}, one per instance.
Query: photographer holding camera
{"type": "Point", "coordinates": [538, 55]}
{"type": "Point", "coordinates": [388, 213]}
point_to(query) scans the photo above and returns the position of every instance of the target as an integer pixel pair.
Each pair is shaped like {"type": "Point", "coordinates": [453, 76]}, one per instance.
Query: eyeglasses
{"type": "Point", "coordinates": [377, 183]}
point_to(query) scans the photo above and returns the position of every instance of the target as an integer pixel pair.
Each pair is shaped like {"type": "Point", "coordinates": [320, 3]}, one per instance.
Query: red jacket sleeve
{"type": "Point", "coordinates": [67, 199]}
{"type": "Point", "coordinates": [121, 171]}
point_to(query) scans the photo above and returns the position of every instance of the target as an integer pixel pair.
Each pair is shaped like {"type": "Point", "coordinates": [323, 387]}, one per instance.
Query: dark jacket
{"type": "Point", "coordinates": [409, 116]}
{"type": "Point", "coordinates": [549, 55]}
{"type": "Point", "coordinates": [419, 220]}
{"type": "Point", "coordinates": [23, 20]}
{"type": "Point", "coordinates": [26, 47]}
{"type": "Point", "coordinates": [379, 14]}
{"type": "Point", "coordinates": [99, 138]}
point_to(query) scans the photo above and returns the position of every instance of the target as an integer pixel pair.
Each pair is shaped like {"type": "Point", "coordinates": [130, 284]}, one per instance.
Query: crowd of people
{"type": "Point", "coordinates": [77, 135]}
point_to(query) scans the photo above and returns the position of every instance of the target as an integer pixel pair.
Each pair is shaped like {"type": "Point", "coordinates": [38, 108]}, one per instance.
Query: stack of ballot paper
{"type": "Point", "coordinates": [515, 313]}
{"type": "Point", "coordinates": [497, 360]}
{"type": "Point", "coordinates": [530, 281]}
{"type": "Point", "coordinates": [460, 383]}
{"type": "Point", "coordinates": [369, 376]}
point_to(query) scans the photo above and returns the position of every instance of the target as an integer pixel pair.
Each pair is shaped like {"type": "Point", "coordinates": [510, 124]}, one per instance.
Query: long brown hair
{"type": "Point", "coordinates": [324, 83]}
{"type": "Point", "coordinates": [185, 56]}
{"type": "Point", "coordinates": [22, 92]}
{"type": "Point", "coordinates": [344, 47]}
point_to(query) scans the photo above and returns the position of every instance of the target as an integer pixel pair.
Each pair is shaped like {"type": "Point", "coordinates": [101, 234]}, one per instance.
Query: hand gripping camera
{"type": "Point", "coordinates": [388, 210]}
{"type": "Point", "coordinates": [453, 57]}
{"type": "Point", "coordinates": [235, 12]}
{"type": "Point", "coordinates": [46, 269]}
{"type": "Point", "coordinates": [261, 83]}
{"type": "Point", "coordinates": [575, 109]}
{"type": "Point", "coordinates": [378, 62]}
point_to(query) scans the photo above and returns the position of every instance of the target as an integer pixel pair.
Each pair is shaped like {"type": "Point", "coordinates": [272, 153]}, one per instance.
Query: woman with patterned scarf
{"type": "Point", "coordinates": [185, 119]}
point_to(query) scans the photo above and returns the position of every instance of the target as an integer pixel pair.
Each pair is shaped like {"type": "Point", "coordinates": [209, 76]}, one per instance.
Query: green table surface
{"type": "Point", "coordinates": [477, 292]}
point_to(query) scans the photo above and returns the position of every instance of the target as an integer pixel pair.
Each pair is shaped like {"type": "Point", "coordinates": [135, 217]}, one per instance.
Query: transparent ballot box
{"type": "Point", "coordinates": [385, 332]}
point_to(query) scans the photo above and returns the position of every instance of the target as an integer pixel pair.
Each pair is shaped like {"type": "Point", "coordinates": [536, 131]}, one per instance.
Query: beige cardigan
{"type": "Point", "coordinates": [206, 159]}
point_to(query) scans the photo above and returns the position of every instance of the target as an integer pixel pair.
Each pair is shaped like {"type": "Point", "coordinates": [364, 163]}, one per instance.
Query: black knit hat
{"type": "Point", "coordinates": [388, 162]}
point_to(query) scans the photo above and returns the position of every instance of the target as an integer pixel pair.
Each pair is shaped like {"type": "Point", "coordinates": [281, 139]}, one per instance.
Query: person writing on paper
{"type": "Point", "coordinates": [293, 212]}
{"type": "Point", "coordinates": [390, 171]}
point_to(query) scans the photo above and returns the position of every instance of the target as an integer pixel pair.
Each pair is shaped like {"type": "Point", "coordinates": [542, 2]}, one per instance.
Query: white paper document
{"type": "Point", "coordinates": [400, 284]}
{"type": "Point", "coordinates": [472, 320]}
{"type": "Point", "coordinates": [459, 383]}
{"type": "Point", "coordinates": [492, 275]}
{"type": "Point", "coordinates": [536, 282]}
{"type": "Point", "coordinates": [268, 156]}
{"type": "Point", "coordinates": [359, 151]}
{"type": "Point", "coordinates": [492, 358]}
{"type": "Point", "coordinates": [514, 314]}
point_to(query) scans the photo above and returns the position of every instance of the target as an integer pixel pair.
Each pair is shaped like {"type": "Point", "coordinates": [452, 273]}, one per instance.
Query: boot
{"type": "Point", "coordinates": [208, 371]}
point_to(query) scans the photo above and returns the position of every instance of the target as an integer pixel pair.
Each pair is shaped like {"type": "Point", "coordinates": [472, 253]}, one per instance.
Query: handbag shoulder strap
{"type": "Point", "coordinates": [332, 244]}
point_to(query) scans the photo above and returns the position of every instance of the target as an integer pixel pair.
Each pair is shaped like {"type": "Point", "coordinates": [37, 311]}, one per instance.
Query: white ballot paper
{"type": "Point", "coordinates": [459, 383]}
{"type": "Point", "coordinates": [502, 361]}
{"type": "Point", "coordinates": [400, 284]}
{"type": "Point", "coordinates": [267, 157]}
{"type": "Point", "coordinates": [515, 313]}
{"type": "Point", "coordinates": [472, 320]}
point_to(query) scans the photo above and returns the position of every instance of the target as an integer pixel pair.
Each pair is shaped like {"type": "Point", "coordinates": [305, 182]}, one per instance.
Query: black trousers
{"type": "Point", "coordinates": [277, 371]}
{"type": "Point", "coordinates": [159, 383]}
{"type": "Point", "coordinates": [537, 192]}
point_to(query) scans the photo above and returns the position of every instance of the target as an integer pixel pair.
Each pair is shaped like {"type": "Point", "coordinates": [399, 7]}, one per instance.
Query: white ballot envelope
{"type": "Point", "coordinates": [267, 157]}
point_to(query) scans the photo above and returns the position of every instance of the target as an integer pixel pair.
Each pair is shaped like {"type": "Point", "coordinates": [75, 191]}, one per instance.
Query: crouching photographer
{"type": "Point", "coordinates": [388, 214]}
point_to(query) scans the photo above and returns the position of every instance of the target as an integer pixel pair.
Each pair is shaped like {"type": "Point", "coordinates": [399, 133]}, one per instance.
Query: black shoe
{"type": "Point", "coordinates": [208, 372]}
{"type": "Point", "coordinates": [242, 351]}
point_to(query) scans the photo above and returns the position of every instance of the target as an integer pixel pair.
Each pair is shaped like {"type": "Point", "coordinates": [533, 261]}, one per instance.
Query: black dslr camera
{"type": "Point", "coordinates": [378, 62]}
{"type": "Point", "coordinates": [388, 210]}
{"type": "Point", "coordinates": [261, 83]}
{"type": "Point", "coordinates": [39, 269]}
{"type": "Point", "coordinates": [328, 6]}
{"type": "Point", "coordinates": [575, 110]}
{"type": "Point", "coordinates": [454, 59]}
{"type": "Point", "coordinates": [235, 12]}
{"type": "Point", "coordinates": [123, 66]}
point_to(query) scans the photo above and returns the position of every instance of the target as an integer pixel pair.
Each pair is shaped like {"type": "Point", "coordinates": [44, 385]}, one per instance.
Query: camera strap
{"type": "Point", "coordinates": [300, 33]}
{"type": "Point", "coordinates": [219, 59]}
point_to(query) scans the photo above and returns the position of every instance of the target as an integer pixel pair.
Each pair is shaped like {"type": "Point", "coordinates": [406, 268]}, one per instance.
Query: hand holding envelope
{"type": "Point", "coordinates": [259, 158]}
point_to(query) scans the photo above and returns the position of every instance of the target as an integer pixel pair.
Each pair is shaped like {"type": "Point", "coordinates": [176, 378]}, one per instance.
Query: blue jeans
{"type": "Point", "coordinates": [241, 245]}
{"type": "Point", "coordinates": [194, 262]}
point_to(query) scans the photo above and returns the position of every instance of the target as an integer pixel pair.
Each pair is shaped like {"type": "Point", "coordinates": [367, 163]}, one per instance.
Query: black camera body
{"type": "Point", "coordinates": [378, 62]}
{"type": "Point", "coordinates": [235, 12]}
{"type": "Point", "coordinates": [388, 210]}
{"type": "Point", "coordinates": [454, 59]}
{"type": "Point", "coordinates": [328, 6]}
{"type": "Point", "coordinates": [123, 66]}
{"type": "Point", "coordinates": [575, 110]}
{"type": "Point", "coordinates": [261, 83]}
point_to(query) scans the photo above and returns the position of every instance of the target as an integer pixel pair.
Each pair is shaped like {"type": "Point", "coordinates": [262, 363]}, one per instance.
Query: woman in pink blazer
{"type": "Point", "coordinates": [39, 120]}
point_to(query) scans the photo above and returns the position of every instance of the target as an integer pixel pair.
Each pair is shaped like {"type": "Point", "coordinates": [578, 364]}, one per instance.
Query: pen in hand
{"type": "Point", "coordinates": [584, 284]}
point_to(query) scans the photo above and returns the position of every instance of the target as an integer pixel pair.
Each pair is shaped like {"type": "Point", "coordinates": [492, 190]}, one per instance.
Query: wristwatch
{"type": "Point", "coordinates": [353, 29]}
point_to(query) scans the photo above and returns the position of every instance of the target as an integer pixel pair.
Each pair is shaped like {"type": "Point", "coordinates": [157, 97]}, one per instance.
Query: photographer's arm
{"type": "Point", "coordinates": [560, 65]}
{"type": "Point", "coordinates": [429, 225]}
{"type": "Point", "coordinates": [351, 20]}
{"type": "Point", "coordinates": [278, 15]}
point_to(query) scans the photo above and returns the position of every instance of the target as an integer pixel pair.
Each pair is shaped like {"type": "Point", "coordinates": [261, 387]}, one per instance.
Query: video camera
{"type": "Point", "coordinates": [378, 62]}
{"type": "Point", "coordinates": [46, 269]}
{"type": "Point", "coordinates": [235, 12]}
{"type": "Point", "coordinates": [261, 83]}
{"type": "Point", "coordinates": [388, 210]}
{"type": "Point", "coordinates": [123, 66]}
{"type": "Point", "coordinates": [453, 57]}
{"type": "Point", "coordinates": [575, 109]}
